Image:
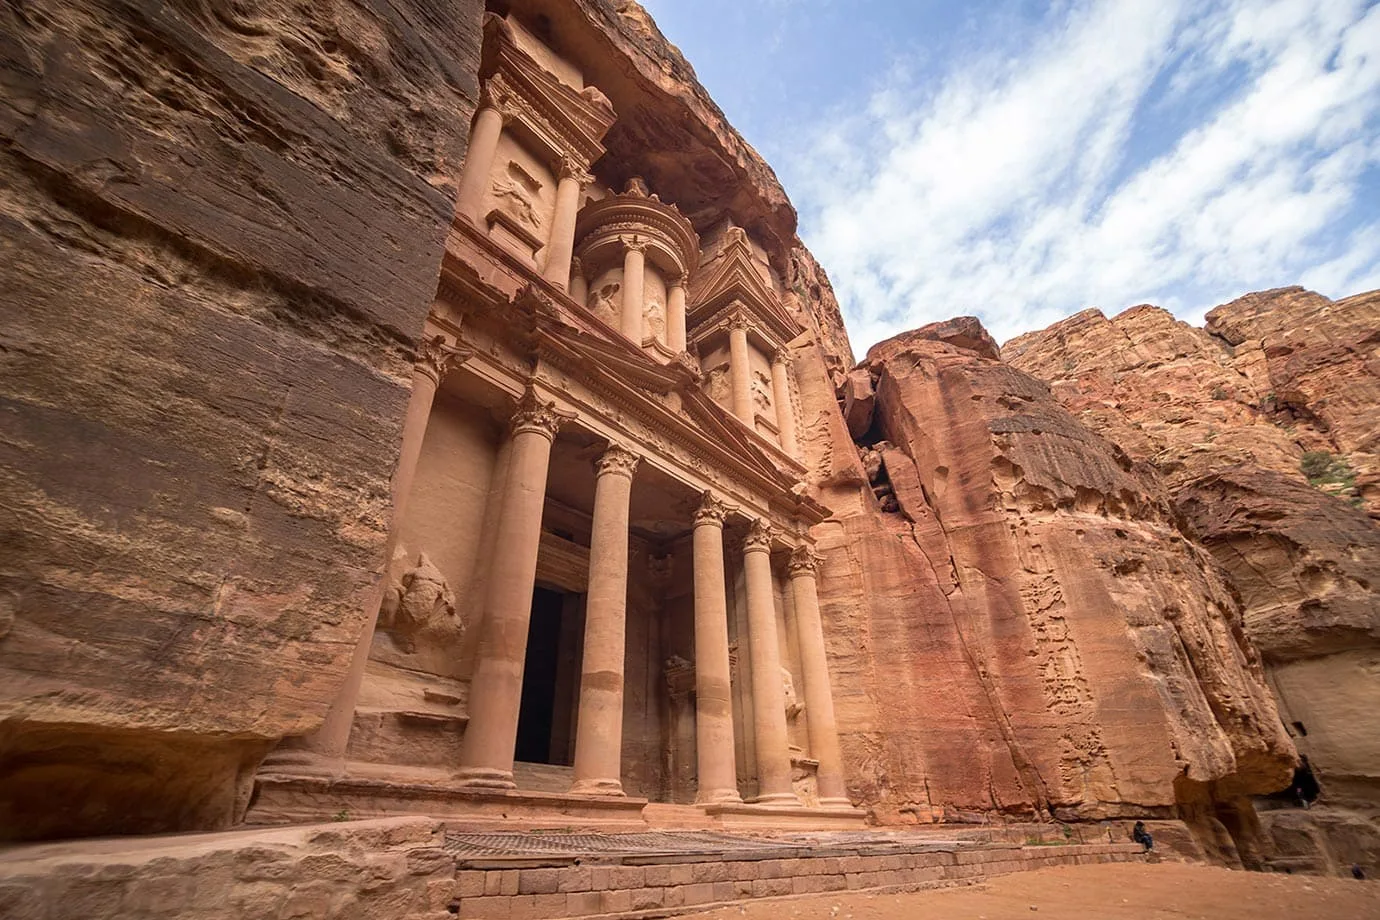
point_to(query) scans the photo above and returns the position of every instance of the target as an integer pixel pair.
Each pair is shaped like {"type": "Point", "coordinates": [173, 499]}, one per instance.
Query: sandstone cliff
{"type": "Point", "coordinates": [222, 228]}
{"type": "Point", "coordinates": [1017, 622]}
{"type": "Point", "coordinates": [1265, 427]}
{"type": "Point", "coordinates": [222, 231]}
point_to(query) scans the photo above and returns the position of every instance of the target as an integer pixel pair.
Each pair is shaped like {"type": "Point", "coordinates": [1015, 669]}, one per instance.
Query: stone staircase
{"type": "Point", "coordinates": [678, 817]}
{"type": "Point", "coordinates": [543, 777]}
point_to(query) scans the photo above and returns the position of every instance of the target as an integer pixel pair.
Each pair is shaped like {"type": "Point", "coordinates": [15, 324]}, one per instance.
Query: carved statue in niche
{"type": "Point", "coordinates": [794, 707]}
{"type": "Point", "coordinates": [761, 390]}
{"type": "Point", "coordinates": [604, 303]}
{"type": "Point", "coordinates": [718, 384]}
{"type": "Point", "coordinates": [420, 604]}
{"type": "Point", "coordinates": [516, 191]}
{"type": "Point", "coordinates": [655, 318]}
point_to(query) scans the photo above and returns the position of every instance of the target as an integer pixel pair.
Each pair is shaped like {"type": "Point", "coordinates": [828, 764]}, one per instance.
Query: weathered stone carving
{"type": "Point", "coordinates": [794, 705]}
{"type": "Point", "coordinates": [534, 415]}
{"type": "Point", "coordinates": [654, 318]}
{"type": "Point", "coordinates": [711, 510]}
{"type": "Point", "coordinates": [761, 390]}
{"type": "Point", "coordinates": [717, 384]}
{"type": "Point", "coordinates": [617, 461]}
{"type": "Point", "coordinates": [420, 601]}
{"type": "Point", "coordinates": [516, 191]}
{"type": "Point", "coordinates": [604, 302]}
{"type": "Point", "coordinates": [804, 560]}
{"type": "Point", "coordinates": [760, 535]}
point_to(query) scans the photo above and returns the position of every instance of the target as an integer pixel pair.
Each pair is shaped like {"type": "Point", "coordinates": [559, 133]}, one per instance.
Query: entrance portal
{"type": "Point", "coordinates": [551, 679]}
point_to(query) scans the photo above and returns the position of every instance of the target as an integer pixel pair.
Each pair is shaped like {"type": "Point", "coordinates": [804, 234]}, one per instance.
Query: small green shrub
{"type": "Point", "coordinates": [1324, 469]}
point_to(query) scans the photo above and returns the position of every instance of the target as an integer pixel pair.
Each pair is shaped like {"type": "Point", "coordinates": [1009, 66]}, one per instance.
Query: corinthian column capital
{"type": "Point", "coordinates": [711, 510]}
{"type": "Point", "coordinates": [536, 416]}
{"type": "Point", "coordinates": [759, 536]}
{"type": "Point", "coordinates": [634, 243]}
{"type": "Point", "coordinates": [436, 357]}
{"type": "Point", "coordinates": [617, 461]}
{"type": "Point", "coordinates": [804, 560]}
{"type": "Point", "coordinates": [567, 167]}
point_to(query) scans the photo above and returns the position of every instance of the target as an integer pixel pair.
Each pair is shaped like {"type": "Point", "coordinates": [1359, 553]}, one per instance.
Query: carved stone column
{"type": "Point", "coordinates": [675, 315]}
{"type": "Point", "coordinates": [572, 178]}
{"type": "Point", "coordinates": [781, 396]}
{"type": "Point", "coordinates": [768, 695]}
{"type": "Point", "coordinates": [740, 370]}
{"type": "Point", "coordinates": [325, 749]}
{"type": "Point", "coordinates": [486, 755]}
{"type": "Point", "coordinates": [634, 278]}
{"type": "Point", "coordinates": [479, 160]}
{"type": "Point", "coordinates": [599, 736]}
{"type": "Point", "coordinates": [579, 284]}
{"type": "Point", "coordinates": [819, 697]}
{"type": "Point", "coordinates": [718, 780]}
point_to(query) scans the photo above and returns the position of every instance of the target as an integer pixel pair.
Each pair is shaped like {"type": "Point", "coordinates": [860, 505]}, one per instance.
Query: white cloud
{"type": "Point", "coordinates": [1016, 187]}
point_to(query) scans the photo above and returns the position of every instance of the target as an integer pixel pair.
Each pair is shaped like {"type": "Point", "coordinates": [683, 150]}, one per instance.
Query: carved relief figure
{"type": "Point", "coordinates": [516, 192]}
{"type": "Point", "coordinates": [761, 390]}
{"type": "Point", "coordinates": [655, 319]}
{"type": "Point", "coordinates": [794, 707]}
{"type": "Point", "coordinates": [718, 385]}
{"type": "Point", "coordinates": [604, 302]}
{"type": "Point", "coordinates": [420, 602]}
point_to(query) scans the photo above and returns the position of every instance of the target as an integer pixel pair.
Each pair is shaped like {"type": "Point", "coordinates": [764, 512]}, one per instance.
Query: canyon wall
{"type": "Point", "coordinates": [222, 233]}
{"type": "Point", "coordinates": [1264, 426]}
{"type": "Point", "coordinates": [222, 230]}
{"type": "Point", "coordinates": [1017, 622]}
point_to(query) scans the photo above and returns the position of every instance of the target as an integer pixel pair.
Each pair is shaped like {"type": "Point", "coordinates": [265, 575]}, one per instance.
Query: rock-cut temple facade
{"type": "Point", "coordinates": [602, 580]}
{"type": "Point", "coordinates": [427, 408]}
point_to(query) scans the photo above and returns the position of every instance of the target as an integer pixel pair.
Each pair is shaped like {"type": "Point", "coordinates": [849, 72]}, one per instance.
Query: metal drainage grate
{"type": "Point", "coordinates": [470, 846]}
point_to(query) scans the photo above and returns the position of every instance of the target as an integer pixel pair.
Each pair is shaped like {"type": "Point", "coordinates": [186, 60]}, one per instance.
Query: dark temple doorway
{"type": "Point", "coordinates": [550, 679]}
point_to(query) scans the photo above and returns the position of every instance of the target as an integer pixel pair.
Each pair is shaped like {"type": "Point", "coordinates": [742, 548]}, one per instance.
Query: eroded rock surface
{"type": "Point", "coordinates": [222, 230]}
{"type": "Point", "coordinates": [1028, 630]}
{"type": "Point", "coordinates": [1264, 426]}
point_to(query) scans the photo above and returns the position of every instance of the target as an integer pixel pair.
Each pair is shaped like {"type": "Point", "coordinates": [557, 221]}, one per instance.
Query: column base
{"type": "Point", "coordinates": [787, 799]}
{"type": "Point", "coordinates": [303, 762]}
{"type": "Point", "coordinates": [597, 787]}
{"type": "Point", "coordinates": [719, 797]}
{"type": "Point", "coordinates": [484, 778]}
{"type": "Point", "coordinates": [835, 803]}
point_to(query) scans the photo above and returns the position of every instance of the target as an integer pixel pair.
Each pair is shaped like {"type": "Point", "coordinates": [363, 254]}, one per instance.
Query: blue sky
{"type": "Point", "coordinates": [1022, 161]}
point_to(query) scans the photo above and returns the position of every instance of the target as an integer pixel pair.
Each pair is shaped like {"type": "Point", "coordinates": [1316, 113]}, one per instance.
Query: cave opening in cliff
{"type": "Point", "coordinates": [550, 679]}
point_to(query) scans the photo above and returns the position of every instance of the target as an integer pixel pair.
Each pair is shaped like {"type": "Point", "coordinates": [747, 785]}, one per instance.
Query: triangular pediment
{"type": "Point", "coordinates": [569, 121]}
{"type": "Point", "coordinates": [735, 279]}
{"type": "Point", "coordinates": [609, 361]}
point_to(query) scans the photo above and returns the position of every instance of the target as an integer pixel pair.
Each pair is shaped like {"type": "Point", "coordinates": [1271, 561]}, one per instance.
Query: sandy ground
{"type": "Point", "coordinates": [1127, 891]}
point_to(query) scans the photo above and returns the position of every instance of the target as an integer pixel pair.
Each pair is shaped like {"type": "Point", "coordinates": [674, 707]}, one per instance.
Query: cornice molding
{"type": "Point", "coordinates": [567, 121]}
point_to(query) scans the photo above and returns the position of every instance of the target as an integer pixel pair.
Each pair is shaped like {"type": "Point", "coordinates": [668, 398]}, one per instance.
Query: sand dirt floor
{"type": "Point", "coordinates": [1126, 891]}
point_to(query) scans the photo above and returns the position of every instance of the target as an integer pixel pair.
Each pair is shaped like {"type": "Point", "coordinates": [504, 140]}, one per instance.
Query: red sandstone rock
{"type": "Point", "coordinates": [221, 235]}
{"type": "Point", "coordinates": [1227, 415]}
{"type": "Point", "coordinates": [1031, 631]}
